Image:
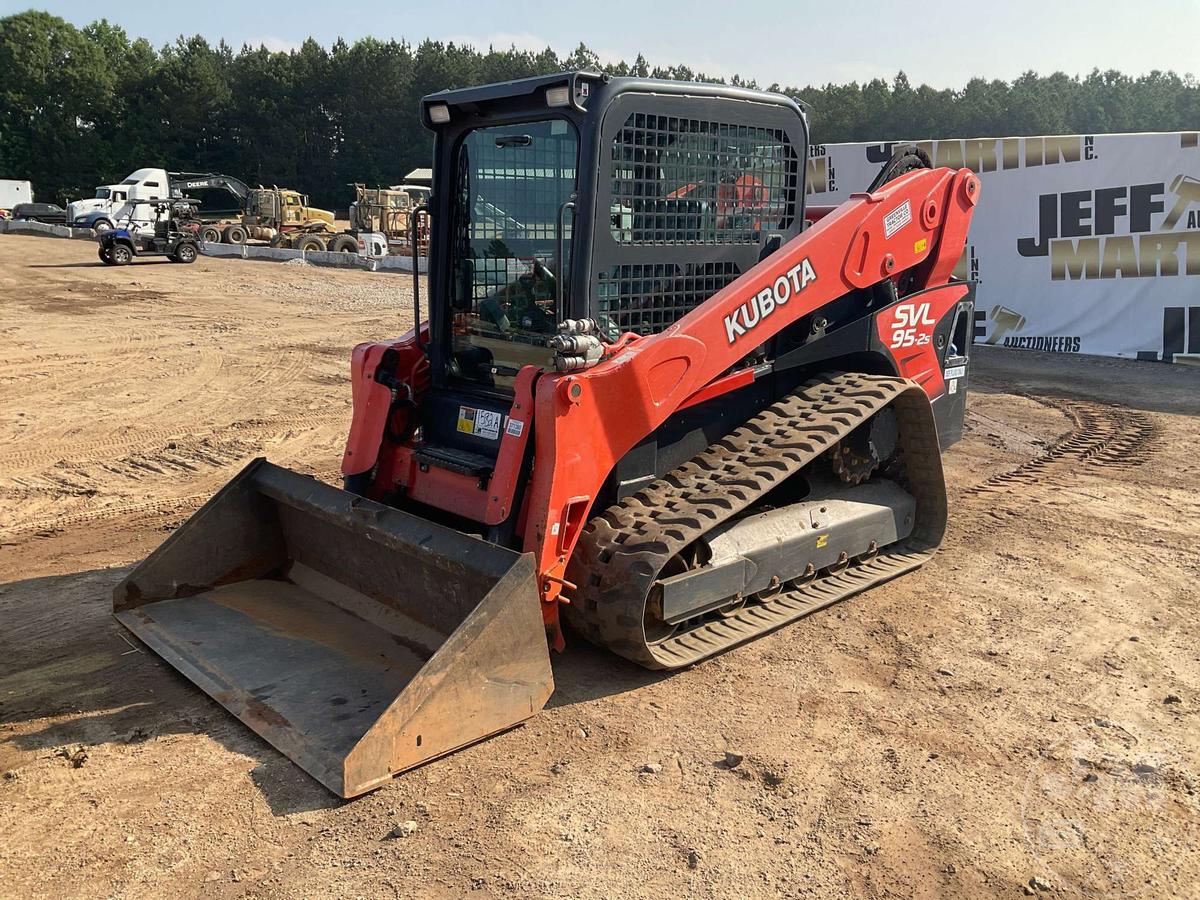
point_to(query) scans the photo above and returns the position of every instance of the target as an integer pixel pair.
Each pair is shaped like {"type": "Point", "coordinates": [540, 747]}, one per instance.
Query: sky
{"type": "Point", "coordinates": [794, 43]}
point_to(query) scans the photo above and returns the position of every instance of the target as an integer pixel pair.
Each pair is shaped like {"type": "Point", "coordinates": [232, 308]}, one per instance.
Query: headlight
{"type": "Point", "coordinates": [558, 96]}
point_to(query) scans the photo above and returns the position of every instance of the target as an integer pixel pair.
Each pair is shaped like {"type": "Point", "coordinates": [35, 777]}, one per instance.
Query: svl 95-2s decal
{"type": "Point", "coordinates": [912, 326]}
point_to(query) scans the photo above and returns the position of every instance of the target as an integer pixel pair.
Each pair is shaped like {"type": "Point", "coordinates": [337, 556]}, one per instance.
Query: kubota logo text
{"type": "Point", "coordinates": [760, 305]}
{"type": "Point", "coordinates": [906, 328]}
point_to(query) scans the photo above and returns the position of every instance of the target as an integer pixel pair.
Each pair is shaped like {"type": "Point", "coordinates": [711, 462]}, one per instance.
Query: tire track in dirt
{"type": "Point", "coordinates": [1100, 436]}
{"type": "Point", "coordinates": [87, 451]}
{"type": "Point", "coordinates": [157, 508]}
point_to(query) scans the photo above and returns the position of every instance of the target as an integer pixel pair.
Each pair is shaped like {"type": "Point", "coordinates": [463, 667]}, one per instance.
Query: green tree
{"type": "Point", "coordinates": [80, 107]}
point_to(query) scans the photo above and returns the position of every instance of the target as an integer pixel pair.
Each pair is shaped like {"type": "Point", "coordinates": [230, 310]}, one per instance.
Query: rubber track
{"type": "Point", "coordinates": [622, 550]}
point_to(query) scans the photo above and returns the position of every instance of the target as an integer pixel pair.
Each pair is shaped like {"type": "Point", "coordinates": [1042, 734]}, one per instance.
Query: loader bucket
{"type": "Point", "coordinates": [358, 639]}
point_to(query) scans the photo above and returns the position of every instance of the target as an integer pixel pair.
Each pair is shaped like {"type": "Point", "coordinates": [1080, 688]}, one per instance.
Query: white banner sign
{"type": "Point", "coordinates": [1080, 244]}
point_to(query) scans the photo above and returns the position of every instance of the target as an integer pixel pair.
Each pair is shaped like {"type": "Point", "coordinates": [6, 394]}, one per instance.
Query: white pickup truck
{"type": "Point", "coordinates": [117, 202]}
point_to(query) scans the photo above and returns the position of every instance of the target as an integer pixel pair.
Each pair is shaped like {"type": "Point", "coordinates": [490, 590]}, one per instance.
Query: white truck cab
{"type": "Point", "coordinates": [102, 211]}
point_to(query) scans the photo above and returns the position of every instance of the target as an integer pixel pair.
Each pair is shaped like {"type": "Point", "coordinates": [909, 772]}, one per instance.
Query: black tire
{"type": "Point", "coordinates": [210, 234]}
{"type": "Point", "coordinates": [310, 242]}
{"type": "Point", "coordinates": [101, 225]}
{"type": "Point", "coordinates": [278, 240]}
{"type": "Point", "coordinates": [234, 234]}
{"type": "Point", "coordinates": [104, 257]}
{"type": "Point", "coordinates": [185, 253]}
{"type": "Point", "coordinates": [120, 254]}
{"type": "Point", "coordinates": [344, 243]}
{"type": "Point", "coordinates": [33, 219]}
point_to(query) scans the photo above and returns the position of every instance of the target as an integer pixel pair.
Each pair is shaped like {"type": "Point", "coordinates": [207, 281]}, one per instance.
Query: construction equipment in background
{"type": "Point", "coordinates": [381, 222]}
{"type": "Point", "coordinates": [262, 212]}
{"type": "Point", "coordinates": [389, 211]}
{"type": "Point", "coordinates": [273, 215]}
{"type": "Point", "coordinates": [678, 426]}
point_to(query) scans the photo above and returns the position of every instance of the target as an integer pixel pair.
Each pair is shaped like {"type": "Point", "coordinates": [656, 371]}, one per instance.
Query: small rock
{"type": "Point", "coordinates": [213, 876]}
{"type": "Point", "coordinates": [1029, 892]}
{"type": "Point", "coordinates": [945, 672]}
{"type": "Point", "coordinates": [423, 808]}
{"type": "Point", "coordinates": [651, 769]}
{"type": "Point", "coordinates": [1053, 717]}
{"type": "Point", "coordinates": [1090, 777]}
{"type": "Point", "coordinates": [1103, 723]}
{"type": "Point", "coordinates": [580, 733]}
{"type": "Point", "coordinates": [693, 859]}
{"type": "Point", "coordinates": [11, 775]}
{"type": "Point", "coordinates": [404, 829]}
{"type": "Point", "coordinates": [1134, 637]}
{"type": "Point", "coordinates": [1172, 698]}
{"type": "Point", "coordinates": [1039, 884]}
{"type": "Point", "coordinates": [733, 760]}
{"type": "Point", "coordinates": [556, 768]}
{"type": "Point", "coordinates": [567, 836]}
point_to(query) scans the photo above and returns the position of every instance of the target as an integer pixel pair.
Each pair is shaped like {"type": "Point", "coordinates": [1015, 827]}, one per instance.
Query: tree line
{"type": "Point", "coordinates": [86, 106]}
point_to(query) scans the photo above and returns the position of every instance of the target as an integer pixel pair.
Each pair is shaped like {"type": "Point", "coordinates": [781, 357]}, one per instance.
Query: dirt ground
{"type": "Point", "coordinates": [1019, 716]}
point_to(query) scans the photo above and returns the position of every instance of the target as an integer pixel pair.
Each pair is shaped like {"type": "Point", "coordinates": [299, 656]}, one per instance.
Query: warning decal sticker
{"type": "Point", "coordinates": [466, 419]}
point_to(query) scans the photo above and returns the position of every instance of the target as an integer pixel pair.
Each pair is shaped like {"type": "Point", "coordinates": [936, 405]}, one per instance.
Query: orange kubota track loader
{"type": "Point", "coordinates": [655, 397]}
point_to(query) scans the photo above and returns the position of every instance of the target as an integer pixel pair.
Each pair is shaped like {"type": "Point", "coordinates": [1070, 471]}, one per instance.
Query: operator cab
{"type": "Point", "coordinates": [578, 196]}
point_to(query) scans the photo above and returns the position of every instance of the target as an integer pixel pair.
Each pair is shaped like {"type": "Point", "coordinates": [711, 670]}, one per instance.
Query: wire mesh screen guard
{"type": "Point", "coordinates": [678, 180]}
{"type": "Point", "coordinates": [648, 298]}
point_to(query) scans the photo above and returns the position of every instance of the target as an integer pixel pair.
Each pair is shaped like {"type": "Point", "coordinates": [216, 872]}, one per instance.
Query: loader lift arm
{"type": "Point", "coordinates": [627, 397]}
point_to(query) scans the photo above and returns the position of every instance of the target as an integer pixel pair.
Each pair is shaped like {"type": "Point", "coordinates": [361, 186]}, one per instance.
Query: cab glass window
{"type": "Point", "coordinates": [510, 186]}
